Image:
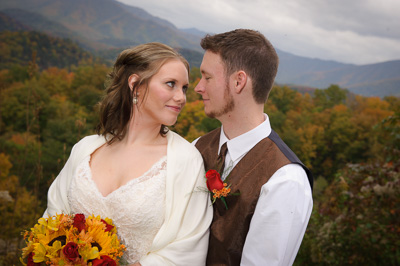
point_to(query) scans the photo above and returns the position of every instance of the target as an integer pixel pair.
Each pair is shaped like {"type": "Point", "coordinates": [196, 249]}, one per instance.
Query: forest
{"type": "Point", "coordinates": [350, 142]}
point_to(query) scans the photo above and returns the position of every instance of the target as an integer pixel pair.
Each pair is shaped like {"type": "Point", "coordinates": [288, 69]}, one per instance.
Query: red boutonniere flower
{"type": "Point", "coordinates": [217, 188]}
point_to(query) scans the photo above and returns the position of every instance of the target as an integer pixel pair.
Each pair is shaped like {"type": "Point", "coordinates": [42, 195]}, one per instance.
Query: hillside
{"type": "Point", "coordinates": [107, 21]}
{"type": "Point", "coordinates": [11, 24]}
{"type": "Point", "coordinates": [19, 47]}
{"type": "Point", "coordinates": [36, 22]}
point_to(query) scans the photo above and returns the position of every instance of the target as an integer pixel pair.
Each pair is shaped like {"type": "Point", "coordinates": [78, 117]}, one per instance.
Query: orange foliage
{"type": "Point", "coordinates": [59, 73]}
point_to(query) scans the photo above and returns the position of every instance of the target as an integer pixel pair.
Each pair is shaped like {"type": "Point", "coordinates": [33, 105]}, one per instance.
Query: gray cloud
{"type": "Point", "coordinates": [366, 17]}
{"type": "Point", "coordinates": [355, 31]}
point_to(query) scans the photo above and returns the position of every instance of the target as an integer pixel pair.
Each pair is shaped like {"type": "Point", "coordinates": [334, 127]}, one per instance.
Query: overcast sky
{"type": "Point", "coordinates": [348, 31]}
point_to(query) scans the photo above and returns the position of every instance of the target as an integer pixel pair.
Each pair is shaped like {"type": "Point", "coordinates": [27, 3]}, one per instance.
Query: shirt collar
{"type": "Point", "coordinates": [240, 145]}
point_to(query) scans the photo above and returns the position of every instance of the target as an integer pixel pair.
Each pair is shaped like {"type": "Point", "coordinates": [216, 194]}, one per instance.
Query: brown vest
{"type": "Point", "coordinates": [229, 227]}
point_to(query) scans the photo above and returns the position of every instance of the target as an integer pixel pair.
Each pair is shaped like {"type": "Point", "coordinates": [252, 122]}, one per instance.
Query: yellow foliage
{"type": "Point", "coordinates": [5, 166]}
{"type": "Point", "coordinates": [310, 137]}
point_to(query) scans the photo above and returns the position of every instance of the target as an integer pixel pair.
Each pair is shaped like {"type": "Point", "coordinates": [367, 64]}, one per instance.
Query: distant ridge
{"type": "Point", "coordinates": [11, 24]}
{"type": "Point", "coordinates": [139, 12]}
{"type": "Point", "coordinates": [103, 20]}
{"type": "Point", "coordinates": [379, 79]}
{"type": "Point", "coordinates": [36, 22]}
{"type": "Point", "coordinates": [195, 32]}
{"type": "Point", "coordinates": [98, 25]}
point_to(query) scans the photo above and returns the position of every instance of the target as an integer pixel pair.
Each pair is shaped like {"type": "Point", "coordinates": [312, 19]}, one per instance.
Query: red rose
{"type": "Point", "coordinates": [104, 261]}
{"type": "Point", "coordinates": [80, 221]}
{"type": "Point", "coordinates": [70, 251]}
{"type": "Point", "coordinates": [214, 180]}
{"type": "Point", "coordinates": [109, 227]}
{"type": "Point", "coordinates": [30, 260]}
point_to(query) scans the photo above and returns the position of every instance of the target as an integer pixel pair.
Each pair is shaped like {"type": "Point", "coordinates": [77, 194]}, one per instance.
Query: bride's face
{"type": "Point", "coordinates": [166, 93]}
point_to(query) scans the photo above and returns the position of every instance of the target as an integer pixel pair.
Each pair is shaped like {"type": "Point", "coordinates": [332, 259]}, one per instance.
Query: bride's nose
{"type": "Point", "coordinates": [180, 96]}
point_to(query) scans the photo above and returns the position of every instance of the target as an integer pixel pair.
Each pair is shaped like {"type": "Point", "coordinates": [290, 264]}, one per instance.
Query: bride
{"type": "Point", "coordinates": [135, 171]}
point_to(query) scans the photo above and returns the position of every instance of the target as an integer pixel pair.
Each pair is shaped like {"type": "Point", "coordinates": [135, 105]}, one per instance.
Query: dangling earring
{"type": "Point", "coordinates": [135, 99]}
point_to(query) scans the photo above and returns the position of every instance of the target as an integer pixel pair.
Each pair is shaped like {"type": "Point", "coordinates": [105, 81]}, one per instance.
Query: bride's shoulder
{"type": "Point", "coordinates": [184, 147]}
{"type": "Point", "coordinates": [88, 142]}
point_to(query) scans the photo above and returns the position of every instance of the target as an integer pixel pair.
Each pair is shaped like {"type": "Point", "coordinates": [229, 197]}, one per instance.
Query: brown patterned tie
{"type": "Point", "coordinates": [221, 158]}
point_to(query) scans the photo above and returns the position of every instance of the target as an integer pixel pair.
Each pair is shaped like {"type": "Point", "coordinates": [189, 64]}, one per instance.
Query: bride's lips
{"type": "Point", "coordinates": [175, 108]}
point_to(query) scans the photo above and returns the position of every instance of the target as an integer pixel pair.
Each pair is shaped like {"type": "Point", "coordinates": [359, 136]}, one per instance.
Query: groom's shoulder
{"type": "Point", "coordinates": [212, 135]}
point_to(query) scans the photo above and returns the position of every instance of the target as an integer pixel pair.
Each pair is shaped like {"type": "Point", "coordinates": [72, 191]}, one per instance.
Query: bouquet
{"type": "Point", "coordinates": [72, 240]}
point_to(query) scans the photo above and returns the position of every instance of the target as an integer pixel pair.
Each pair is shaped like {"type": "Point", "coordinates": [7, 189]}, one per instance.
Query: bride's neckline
{"type": "Point", "coordinates": [135, 180]}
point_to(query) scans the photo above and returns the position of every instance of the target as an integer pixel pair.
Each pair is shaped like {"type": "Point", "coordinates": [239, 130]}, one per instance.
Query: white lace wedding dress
{"type": "Point", "coordinates": [136, 208]}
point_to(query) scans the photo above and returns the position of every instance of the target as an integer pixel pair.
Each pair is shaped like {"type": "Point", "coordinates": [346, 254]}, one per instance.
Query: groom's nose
{"type": "Point", "coordinates": [200, 87]}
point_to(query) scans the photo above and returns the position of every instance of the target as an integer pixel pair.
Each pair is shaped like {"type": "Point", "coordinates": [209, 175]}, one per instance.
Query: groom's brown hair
{"type": "Point", "coordinates": [246, 50]}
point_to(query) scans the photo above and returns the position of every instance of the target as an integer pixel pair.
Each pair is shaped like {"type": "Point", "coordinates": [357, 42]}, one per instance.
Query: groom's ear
{"type": "Point", "coordinates": [240, 81]}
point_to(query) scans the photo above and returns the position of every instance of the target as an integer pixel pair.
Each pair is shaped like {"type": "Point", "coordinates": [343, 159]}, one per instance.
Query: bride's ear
{"type": "Point", "coordinates": [132, 80]}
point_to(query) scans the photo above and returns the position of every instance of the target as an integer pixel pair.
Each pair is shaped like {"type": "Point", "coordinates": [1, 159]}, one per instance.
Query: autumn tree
{"type": "Point", "coordinates": [18, 209]}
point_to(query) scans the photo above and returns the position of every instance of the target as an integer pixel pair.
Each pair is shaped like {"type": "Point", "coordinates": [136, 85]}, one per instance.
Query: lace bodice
{"type": "Point", "coordinates": [136, 208]}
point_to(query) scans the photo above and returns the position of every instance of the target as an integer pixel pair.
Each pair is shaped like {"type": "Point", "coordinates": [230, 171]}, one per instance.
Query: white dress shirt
{"type": "Point", "coordinates": [283, 208]}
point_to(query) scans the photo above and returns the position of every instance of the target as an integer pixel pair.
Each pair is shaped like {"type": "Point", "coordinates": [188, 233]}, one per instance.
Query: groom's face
{"type": "Point", "coordinates": [214, 86]}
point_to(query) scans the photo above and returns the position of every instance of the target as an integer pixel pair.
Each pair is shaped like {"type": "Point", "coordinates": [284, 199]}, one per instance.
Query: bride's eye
{"type": "Point", "coordinates": [171, 84]}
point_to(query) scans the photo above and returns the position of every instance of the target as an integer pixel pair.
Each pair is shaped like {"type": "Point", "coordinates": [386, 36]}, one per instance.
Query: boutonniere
{"type": "Point", "coordinates": [217, 188]}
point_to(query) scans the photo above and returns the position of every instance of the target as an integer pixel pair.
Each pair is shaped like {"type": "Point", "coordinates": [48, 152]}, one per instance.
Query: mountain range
{"type": "Point", "coordinates": [101, 25]}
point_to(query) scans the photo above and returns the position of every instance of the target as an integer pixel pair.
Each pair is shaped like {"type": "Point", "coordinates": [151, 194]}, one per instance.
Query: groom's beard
{"type": "Point", "coordinates": [226, 108]}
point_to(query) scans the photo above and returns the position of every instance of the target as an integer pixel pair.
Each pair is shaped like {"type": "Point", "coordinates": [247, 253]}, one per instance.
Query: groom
{"type": "Point", "coordinates": [265, 223]}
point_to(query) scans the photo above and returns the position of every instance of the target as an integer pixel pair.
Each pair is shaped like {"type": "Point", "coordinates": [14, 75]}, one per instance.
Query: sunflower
{"type": "Point", "coordinates": [100, 237]}
{"type": "Point", "coordinates": [107, 242]}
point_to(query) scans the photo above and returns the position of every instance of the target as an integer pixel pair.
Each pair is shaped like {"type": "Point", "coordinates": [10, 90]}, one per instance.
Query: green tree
{"type": "Point", "coordinates": [283, 98]}
{"type": "Point", "coordinates": [18, 208]}
{"type": "Point", "coordinates": [327, 98]}
{"type": "Point", "coordinates": [357, 219]}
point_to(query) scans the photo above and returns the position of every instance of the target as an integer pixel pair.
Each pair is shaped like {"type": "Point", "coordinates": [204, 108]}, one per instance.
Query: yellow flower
{"type": "Point", "coordinates": [39, 228]}
{"type": "Point", "coordinates": [89, 253]}
{"type": "Point", "coordinates": [27, 250]}
{"type": "Point", "coordinates": [40, 252]}
{"type": "Point", "coordinates": [100, 237]}
{"type": "Point", "coordinates": [53, 251]}
{"type": "Point", "coordinates": [50, 223]}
